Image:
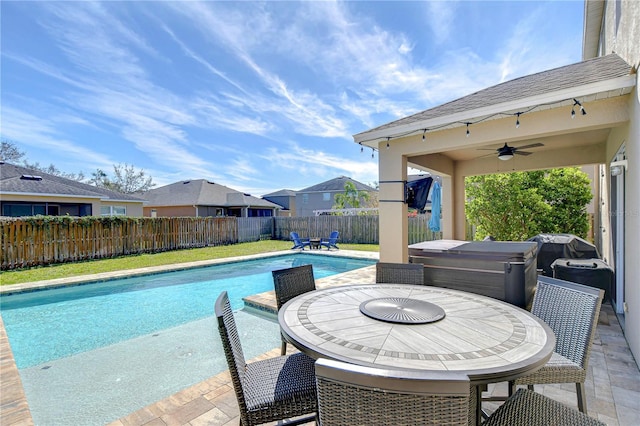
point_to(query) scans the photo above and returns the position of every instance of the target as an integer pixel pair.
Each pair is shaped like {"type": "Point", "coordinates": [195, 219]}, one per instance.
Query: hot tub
{"type": "Point", "coordinates": [503, 270]}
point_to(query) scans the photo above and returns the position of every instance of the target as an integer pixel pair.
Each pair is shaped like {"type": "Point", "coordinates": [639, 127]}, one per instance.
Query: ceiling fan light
{"type": "Point", "coordinates": [505, 156]}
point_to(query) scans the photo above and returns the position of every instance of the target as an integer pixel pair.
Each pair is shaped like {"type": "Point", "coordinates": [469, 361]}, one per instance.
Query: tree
{"type": "Point", "coordinates": [350, 198]}
{"type": "Point", "coordinates": [9, 152]}
{"type": "Point", "coordinates": [126, 179]}
{"type": "Point", "coordinates": [53, 170]}
{"type": "Point", "coordinates": [516, 206]}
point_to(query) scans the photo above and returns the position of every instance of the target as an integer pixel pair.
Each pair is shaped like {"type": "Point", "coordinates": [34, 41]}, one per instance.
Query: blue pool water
{"type": "Point", "coordinates": [47, 325]}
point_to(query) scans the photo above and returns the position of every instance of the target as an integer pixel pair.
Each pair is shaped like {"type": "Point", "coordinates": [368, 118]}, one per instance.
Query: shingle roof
{"type": "Point", "coordinates": [12, 180]}
{"type": "Point", "coordinates": [336, 184]}
{"type": "Point", "coordinates": [201, 192]}
{"type": "Point", "coordinates": [281, 193]}
{"type": "Point", "coordinates": [578, 74]}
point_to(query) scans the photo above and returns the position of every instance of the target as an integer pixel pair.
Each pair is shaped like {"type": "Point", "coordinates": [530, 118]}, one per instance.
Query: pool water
{"type": "Point", "coordinates": [93, 353]}
{"type": "Point", "coordinates": [57, 323]}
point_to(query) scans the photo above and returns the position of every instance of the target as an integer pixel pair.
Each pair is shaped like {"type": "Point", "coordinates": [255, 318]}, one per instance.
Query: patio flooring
{"type": "Point", "coordinates": [612, 385]}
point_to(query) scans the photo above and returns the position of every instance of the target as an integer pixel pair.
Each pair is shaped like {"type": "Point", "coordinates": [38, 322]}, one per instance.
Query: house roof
{"type": "Point", "coordinates": [201, 192]}
{"type": "Point", "coordinates": [507, 95]}
{"type": "Point", "coordinates": [336, 184]}
{"type": "Point", "coordinates": [281, 193]}
{"type": "Point", "coordinates": [22, 180]}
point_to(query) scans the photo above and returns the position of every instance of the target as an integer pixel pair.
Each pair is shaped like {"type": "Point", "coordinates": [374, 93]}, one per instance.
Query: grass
{"type": "Point", "coordinates": [65, 270]}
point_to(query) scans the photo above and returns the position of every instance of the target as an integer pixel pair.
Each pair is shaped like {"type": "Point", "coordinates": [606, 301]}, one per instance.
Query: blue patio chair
{"type": "Point", "coordinates": [331, 241]}
{"type": "Point", "coordinates": [299, 243]}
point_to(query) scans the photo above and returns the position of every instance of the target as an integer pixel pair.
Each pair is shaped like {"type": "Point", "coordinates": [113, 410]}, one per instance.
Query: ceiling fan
{"type": "Point", "coordinates": [507, 152]}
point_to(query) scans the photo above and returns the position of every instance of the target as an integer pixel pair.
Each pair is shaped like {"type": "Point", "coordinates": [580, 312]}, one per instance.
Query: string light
{"type": "Point", "coordinates": [488, 117]}
{"type": "Point", "coordinates": [361, 148]}
{"type": "Point", "coordinates": [582, 110]}
{"type": "Point", "coordinates": [372, 151]}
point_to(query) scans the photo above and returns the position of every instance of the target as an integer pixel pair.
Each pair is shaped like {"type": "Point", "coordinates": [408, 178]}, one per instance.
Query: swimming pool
{"type": "Point", "coordinates": [106, 349]}
{"type": "Point", "coordinates": [51, 324]}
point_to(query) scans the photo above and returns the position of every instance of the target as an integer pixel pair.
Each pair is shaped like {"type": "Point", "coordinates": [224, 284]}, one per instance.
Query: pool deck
{"type": "Point", "coordinates": [612, 385]}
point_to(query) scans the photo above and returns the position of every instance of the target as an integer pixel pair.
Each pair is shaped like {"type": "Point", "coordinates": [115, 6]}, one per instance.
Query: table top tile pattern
{"type": "Point", "coordinates": [477, 332]}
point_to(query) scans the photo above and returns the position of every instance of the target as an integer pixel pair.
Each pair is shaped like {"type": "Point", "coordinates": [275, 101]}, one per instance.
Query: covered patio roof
{"type": "Point", "coordinates": [568, 113]}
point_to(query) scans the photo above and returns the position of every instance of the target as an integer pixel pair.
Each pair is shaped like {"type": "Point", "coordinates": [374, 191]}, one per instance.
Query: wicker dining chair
{"type": "Point", "coordinates": [528, 408]}
{"type": "Point", "coordinates": [351, 394]}
{"type": "Point", "coordinates": [572, 311]}
{"type": "Point", "coordinates": [267, 390]}
{"type": "Point", "coordinates": [400, 273]}
{"type": "Point", "coordinates": [289, 283]}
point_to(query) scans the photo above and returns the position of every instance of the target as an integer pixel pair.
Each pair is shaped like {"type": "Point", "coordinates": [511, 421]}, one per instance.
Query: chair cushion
{"type": "Point", "coordinates": [528, 408]}
{"type": "Point", "coordinates": [285, 383]}
{"type": "Point", "coordinates": [558, 369]}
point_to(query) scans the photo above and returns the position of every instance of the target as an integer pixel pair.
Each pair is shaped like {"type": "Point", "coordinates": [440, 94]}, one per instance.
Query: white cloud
{"type": "Point", "coordinates": [440, 17]}
{"type": "Point", "coordinates": [43, 135]}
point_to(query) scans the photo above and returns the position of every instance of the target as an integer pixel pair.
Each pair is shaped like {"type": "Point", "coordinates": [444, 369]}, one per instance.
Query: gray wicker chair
{"type": "Point", "coordinates": [400, 273]}
{"type": "Point", "coordinates": [350, 394]}
{"type": "Point", "coordinates": [267, 390]}
{"type": "Point", "coordinates": [527, 408]}
{"type": "Point", "coordinates": [572, 311]}
{"type": "Point", "coordinates": [289, 283]}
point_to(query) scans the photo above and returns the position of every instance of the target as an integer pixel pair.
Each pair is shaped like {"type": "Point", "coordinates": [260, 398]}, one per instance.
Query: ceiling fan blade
{"type": "Point", "coordinates": [533, 145]}
{"type": "Point", "coordinates": [518, 152]}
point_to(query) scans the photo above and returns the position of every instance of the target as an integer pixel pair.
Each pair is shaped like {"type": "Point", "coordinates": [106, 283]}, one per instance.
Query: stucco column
{"type": "Point", "coordinates": [393, 212]}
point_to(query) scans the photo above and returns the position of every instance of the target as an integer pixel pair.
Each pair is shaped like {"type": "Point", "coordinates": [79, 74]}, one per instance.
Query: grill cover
{"type": "Point", "coordinates": [566, 246]}
{"type": "Point", "coordinates": [591, 272]}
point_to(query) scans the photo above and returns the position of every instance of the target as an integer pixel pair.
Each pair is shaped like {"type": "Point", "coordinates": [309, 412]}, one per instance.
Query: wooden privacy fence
{"type": "Point", "coordinates": [353, 229]}
{"type": "Point", "coordinates": [52, 239]}
{"type": "Point", "coordinates": [57, 239]}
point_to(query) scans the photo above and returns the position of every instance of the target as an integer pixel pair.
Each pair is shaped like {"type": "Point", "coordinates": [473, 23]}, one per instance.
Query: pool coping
{"type": "Point", "coordinates": [14, 407]}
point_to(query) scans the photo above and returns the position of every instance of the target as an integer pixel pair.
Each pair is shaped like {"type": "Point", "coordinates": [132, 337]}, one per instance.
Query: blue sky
{"type": "Point", "coordinates": [257, 96]}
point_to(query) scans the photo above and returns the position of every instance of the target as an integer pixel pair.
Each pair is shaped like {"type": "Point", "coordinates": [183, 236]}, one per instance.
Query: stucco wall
{"type": "Point", "coordinates": [632, 228]}
{"type": "Point", "coordinates": [622, 30]}
{"type": "Point", "coordinates": [174, 211]}
{"type": "Point", "coordinates": [133, 209]}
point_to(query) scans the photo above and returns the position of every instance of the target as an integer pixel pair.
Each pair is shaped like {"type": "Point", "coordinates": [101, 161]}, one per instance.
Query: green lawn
{"type": "Point", "coordinates": [145, 260]}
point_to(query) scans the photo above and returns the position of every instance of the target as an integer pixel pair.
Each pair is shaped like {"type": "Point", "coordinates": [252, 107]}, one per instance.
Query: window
{"type": "Point", "coordinates": [113, 210]}
{"type": "Point", "coordinates": [305, 198]}
{"type": "Point", "coordinates": [326, 196]}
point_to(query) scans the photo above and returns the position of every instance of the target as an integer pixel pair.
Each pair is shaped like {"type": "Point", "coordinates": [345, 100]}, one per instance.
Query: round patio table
{"type": "Point", "coordinates": [487, 339]}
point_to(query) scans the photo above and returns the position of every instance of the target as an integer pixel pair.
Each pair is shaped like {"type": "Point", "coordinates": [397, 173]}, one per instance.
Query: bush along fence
{"type": "Point", "coordinates": [45, 240]}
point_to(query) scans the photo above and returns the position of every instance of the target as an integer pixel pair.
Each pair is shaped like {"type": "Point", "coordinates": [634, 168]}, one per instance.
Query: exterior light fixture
{"type": "Point", "coordinates": [618, 167]}
{"type": "Point", "coordinates": [506, 152]}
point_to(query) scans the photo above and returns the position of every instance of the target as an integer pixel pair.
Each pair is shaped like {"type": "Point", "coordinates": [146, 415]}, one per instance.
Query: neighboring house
{"type": "Point", "coordinates": [587, 113]}
{"type": "Point", "coordinates": [322, 195]}
{"type": "Point", "coordinates": [286, 199]}
{"type": "Point", "coordinates": [202, 198]}
{"type": "Point", "coordinates": [29, 192]}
